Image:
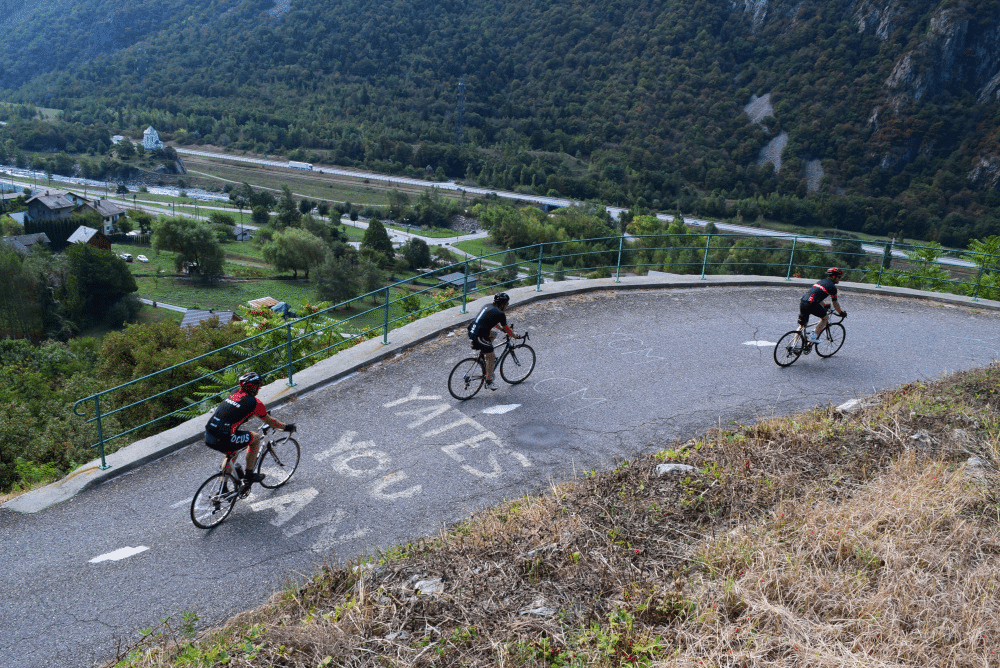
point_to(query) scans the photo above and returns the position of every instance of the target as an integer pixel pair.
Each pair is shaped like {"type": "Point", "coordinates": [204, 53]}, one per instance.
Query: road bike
{"type": "Point", "coordinates": [515, 362]}
{"type": "Point", "coordinates": [795, 343]}
{"type": "Point", "coordinates": [277, 459]}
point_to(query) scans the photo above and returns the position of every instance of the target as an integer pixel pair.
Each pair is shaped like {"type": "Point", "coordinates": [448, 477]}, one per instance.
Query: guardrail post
{"type": "Point", "coordinates": [465, 287]}
{"type": "Point", "coordinates": [704, 262]}
{"type": "Point", "coordinates": [618, 268]}
{"type": "Point", "coordinates": [385, 333]}
{"type": "Point", "coordinates": [791, 257]}
{"type": "Point", "coordinates": [881, 265]}
{"type": "Point", "coordinates": [100, 433]}
{"type": "Point", "coordinates": [979, 276]}
{"type": "Point", "coordinates": [538, 287]}
{"type": "Point", "coordinates": [288, 351]}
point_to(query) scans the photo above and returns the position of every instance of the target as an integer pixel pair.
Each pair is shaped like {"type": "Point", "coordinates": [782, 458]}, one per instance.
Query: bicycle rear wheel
{"type": "Point", "coordinates": [517, 364]}
{"type": "Point", "coordinates": [466, 378]}
{"type": "Point", "coordinates": [214, 500]}
{"type": "Point", "coordinates": [831, 339]}
{"type": "Point", "coordinates": [788, 348]}
{"type": "Point", "coordinates": [278, 461]}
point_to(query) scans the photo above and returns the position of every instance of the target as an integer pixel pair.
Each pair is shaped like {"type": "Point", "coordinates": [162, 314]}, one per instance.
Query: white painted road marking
{"type": "Point", "coordinates": [412, 396]}
{"type": "Point", "coordinates": [123, 553]}
{"type": "Point", "coordinates": [500, 410]}
{"type": "Point", "coordinates": [762, 344]}
{"type": "Point", "coordinates": [286, 506]}
{"type": "Point", "coordinates": [347, 450]}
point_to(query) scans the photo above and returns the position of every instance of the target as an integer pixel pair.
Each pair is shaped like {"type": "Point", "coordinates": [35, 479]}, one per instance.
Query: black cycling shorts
{"type": "Point", "coordinates": [811, 308]}
{"type": "Point", "coordinates": [482, 343]}
{"type": "Point", "coordinates": [240, 439]}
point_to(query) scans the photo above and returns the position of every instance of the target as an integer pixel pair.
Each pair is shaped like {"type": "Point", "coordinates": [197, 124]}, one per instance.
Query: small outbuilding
{"type": "Point", "coordinates": [457, 280]}
{"type": "Point", "coordinates": [91, 237]}
{"type": "Point", "coordinates": [194, 317]}
{"type": "Point", "coordinates": [263, 302]}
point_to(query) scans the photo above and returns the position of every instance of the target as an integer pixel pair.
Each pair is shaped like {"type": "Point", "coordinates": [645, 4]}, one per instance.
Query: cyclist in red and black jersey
{"type": "Point", "coordinates": [223, 431]}
{"type": "Point", "coordinates": [812, 301]}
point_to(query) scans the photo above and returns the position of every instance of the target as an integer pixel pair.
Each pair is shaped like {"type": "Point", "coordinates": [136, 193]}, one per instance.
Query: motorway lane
{"type": "Point", "coordinates": [389, 456]}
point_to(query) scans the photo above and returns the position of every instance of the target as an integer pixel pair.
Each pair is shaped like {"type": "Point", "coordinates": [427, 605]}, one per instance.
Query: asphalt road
{"type": "Point", "coordinates": [389, 456]}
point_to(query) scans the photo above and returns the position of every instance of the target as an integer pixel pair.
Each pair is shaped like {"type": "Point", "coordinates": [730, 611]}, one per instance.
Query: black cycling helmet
{"type": "Point", "coordinates": [501, 298]}
{"type": "Point", "coordinates": [250, 382]}
{"type": "Point", "coordinates": [834, 271]}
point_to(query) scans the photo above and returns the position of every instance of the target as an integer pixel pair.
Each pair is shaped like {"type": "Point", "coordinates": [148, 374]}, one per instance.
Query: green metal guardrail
{"type": "Point", "coordinates": [304, 341]}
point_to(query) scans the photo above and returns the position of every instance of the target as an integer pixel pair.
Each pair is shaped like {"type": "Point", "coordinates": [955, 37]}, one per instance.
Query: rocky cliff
{"type": "Point", "coordinates": [942, 47]}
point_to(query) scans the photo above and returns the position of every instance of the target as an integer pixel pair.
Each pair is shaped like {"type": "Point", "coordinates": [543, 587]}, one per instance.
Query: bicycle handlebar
{"type": "Point", "coordinates": [833, 313]}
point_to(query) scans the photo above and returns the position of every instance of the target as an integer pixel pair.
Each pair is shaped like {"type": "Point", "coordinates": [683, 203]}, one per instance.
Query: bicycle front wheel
{"type": "Point", "coordinates": [788, 348]}
{"type": "Point", "coordinates": [214, 500]}
{"type": "Point", "coordinates": [831, 340]}
{"type": "Point", "coordinates": [278, 461]}
{"type": "Point", "coordinates": [517, 364]}
{"type": "Point", "coordinates": [466, 378]}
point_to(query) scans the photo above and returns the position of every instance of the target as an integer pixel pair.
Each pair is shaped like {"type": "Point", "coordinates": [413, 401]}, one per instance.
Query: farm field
{"type": "Point", "coordinates": [311, 184]}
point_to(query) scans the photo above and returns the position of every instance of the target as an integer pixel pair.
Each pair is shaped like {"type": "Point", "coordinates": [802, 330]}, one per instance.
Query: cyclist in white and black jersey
{"type": "Point", "coordinates": [812, 302]}
{"type": "Point", "coordinates": [484, 328]}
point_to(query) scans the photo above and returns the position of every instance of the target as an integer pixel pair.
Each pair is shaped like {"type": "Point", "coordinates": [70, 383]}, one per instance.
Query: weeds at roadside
{"type": "Point", "coordinates": [818, 539]}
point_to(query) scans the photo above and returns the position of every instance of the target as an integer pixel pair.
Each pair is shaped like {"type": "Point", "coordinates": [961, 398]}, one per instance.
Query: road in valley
{"type": "Point", "coordinates": [871, 248]}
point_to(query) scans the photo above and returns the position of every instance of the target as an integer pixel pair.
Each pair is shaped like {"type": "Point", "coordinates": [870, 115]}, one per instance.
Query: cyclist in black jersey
{"type": "Point", "coordinates": [484, 328]}
{"type": "Point", "coordinates": [812, 302]}
{"type": "Point", "coordinates": [223, 431]}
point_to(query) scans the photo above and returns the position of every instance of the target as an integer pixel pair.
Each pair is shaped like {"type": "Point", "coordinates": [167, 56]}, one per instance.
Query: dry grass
{"type": "Point", "coordinates": [815, 540]}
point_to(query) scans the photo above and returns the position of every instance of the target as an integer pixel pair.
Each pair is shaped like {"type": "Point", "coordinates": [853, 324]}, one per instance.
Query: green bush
{"type": "Point", "coordinates": [38, 387]}
{"type": "Point", "coordinates": [30, 474]}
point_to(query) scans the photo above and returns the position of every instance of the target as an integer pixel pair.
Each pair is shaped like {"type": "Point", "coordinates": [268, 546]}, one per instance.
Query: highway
{"type": "Point", "coordinates": [389, 456]}
{"type": "Point", "coordinates": [557, 202]}
{"type": "Point", "coordinates": [731, 228]}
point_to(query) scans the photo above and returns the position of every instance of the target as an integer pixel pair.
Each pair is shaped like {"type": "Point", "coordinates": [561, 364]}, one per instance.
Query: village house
{"type": "Point", "coordinates": [50, 205]}
{"type": "Point", "coordinates": [107, 210]}
{"type": "Point", "coordinates": [58, 205]}
{"type": "Point", "coordinates": [24, 244]}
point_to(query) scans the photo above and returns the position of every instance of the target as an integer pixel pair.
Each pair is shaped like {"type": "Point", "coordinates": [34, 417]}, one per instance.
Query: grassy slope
{"type": "Point", "coordinates": [819, 539]}
{"type": "Point", "coordinates": [246, 277]}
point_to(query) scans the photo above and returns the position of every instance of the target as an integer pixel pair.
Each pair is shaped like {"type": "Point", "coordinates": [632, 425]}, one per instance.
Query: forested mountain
{"type": "Point", "coordinates": [880, 115]}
